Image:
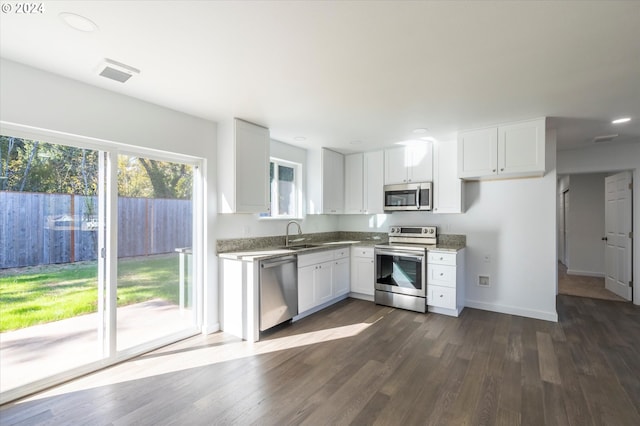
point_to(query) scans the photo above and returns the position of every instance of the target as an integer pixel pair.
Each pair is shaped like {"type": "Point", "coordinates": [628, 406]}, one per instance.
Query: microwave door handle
{"type": "Point", "coordinates": [418, 198]}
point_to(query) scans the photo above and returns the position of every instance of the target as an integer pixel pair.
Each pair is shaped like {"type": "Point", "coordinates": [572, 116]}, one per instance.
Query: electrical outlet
{"type": "Point", "coordinates": [483, 281]}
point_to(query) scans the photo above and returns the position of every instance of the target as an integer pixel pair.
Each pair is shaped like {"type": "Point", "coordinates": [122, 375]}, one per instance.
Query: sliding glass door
{"type": "Point", "coordinates": [155, 231]}
{"type": "Point", "coordinates": [50, 321]}
{"type": "Point", "coordinates": [97, 258]}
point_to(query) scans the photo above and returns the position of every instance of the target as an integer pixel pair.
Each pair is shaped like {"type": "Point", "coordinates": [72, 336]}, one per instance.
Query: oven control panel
{"type": "Point", "coordinates": [413, 231]}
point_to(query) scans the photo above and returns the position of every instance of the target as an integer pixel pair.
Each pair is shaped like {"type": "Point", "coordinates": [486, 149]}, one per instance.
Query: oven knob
{"type": "Point", "coordinates": [431, 231]}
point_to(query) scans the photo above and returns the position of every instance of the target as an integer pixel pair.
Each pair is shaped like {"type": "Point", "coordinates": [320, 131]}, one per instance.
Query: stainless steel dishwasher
{"type": "Point", "coordinates": [278, 291]}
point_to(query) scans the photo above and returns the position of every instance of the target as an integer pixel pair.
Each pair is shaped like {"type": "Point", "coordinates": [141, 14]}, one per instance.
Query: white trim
{"type": "Point", "coordinates": [585, 273]}
{"type": "Point", "coordinates": [70, 139]}
{"type": "Point", "coordinates": [212, 328]}
{"type": "Point", "coordinates": [512, 310]}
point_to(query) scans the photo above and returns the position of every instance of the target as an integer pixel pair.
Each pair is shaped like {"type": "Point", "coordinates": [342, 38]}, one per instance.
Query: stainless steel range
{"type": "Point", "coordinates": [401, 267]}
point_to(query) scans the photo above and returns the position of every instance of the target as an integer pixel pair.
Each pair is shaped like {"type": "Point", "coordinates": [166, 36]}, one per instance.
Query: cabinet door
{"type": "Point", "coordinates": [354, 183]}
{"type": "Point", "coordinates": [374, 182]}
{"type": "Point", "coordinates": [442, 297]}
{"type": "Point", "coordinates": [252, 168]}
{"type": "Point", "coordinates": [362, 275]}
{"type": "Point", "coordinates": [306, 277]}
{"type": "Point", "coordinates": [521, 147]}
{"type": "Point", "coordinates": [340, 276]}
{"type": "Point", "coordinates": [395, 168]}
{"type": "Point", "coordinates": [419, 161]}
{"type": "Point", "coordinates": [322, 285]}
{"type": "Point", "coordinates": [447, 188]}
{"type": "Point", "coordinates": [332, 182]}
{"type": "Point", "coordinates": [477, 153]}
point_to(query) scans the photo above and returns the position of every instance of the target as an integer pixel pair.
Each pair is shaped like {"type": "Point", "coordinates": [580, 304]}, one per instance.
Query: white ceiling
{"type": "Point", "coordinates": [338, 72]}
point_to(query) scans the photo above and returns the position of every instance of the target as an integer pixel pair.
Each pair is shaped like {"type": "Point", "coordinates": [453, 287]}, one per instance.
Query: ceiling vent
{"type": "Point", "coordinates": [117, 71]}
{"type": "Point", "coordinates": [605, 138]}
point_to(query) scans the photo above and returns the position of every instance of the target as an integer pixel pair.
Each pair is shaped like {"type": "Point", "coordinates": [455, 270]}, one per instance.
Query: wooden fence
{"type": "Point", "coordinates": [38, 229]}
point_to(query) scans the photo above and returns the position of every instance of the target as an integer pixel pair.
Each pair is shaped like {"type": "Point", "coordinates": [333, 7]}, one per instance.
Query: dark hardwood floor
{"type": "Point", "coordinates": [358, 363]}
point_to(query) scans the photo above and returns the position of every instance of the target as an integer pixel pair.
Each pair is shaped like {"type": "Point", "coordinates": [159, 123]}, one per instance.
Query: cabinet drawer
{"type": "Point", "coordinates": [444, 275]}
{"type": "Point", "coordinates": [340, 253]}
{"type": "Point", "coordinates": [362, 252]}
{"type": "Point", "coordinates": [443, 297]}
{"type": "Point", "coordinates": [441, 258]}
{"type": "Point", "coordinates": [315, 258]}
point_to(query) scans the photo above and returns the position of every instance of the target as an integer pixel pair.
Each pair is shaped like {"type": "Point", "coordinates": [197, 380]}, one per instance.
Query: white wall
{"type": "Point", "coordinates": [31, 97]}
{"type": "Point", "coordinates": [607, 158]}
{"type": "Point", "coordinates": [514, 223]}
{"type": "Point", "coordinates": [586, 225]}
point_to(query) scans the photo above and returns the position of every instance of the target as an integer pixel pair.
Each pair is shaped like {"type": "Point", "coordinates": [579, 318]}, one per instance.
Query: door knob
{"type": "Point", "coordinates": [605, 239]}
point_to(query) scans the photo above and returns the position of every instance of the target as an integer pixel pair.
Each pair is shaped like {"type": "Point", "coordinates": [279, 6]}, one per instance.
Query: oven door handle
{"type": "Point", "coordinates": [418, 257]}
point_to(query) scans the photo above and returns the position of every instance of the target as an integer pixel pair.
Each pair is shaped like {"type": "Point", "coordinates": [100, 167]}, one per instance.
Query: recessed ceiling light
{"type": "Point", "coordinates": [420, 131]}
{"type": "Point", "coordinates": [621, 120]}
{"type": "Point", "coordinates": [355, 142]}
{"type": "Point", "coordinates": [78, 22]}
{"type": "Point", "coordinates": [299, 138]}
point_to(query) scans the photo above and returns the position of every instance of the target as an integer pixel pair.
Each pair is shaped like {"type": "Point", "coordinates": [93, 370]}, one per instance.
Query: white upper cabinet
{"type": "Point", "coordinates": [447, 187]}
{"type": "Point", "coordinates": [411, 163]}
{"type": "Point", "coordinates": [364, 183]}
{"type": "Point", "coordinates": [509, 150]}
{"type": "Point", "coordinates": [243, 167]}
{"type": "Point", "coordinates": [374, 182]}
{"type": "Point", "coordinates": [325, 182]}
{"type": "Point", "coordinates": [521, 148]}
{"type": "Point", "coordinates": [354, 184]}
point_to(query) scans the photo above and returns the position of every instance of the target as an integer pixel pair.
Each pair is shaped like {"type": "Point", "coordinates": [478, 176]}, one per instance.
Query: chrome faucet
{"type": "Point", "coordinates": [287, 236]}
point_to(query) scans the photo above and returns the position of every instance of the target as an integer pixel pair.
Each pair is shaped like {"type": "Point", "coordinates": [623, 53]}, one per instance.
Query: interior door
{"type": "Point", "coordinates": [618, 239]}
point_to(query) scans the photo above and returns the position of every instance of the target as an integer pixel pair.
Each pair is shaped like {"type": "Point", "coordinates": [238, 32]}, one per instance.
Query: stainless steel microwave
{"type": "Point", "coordinates": [408, 196]}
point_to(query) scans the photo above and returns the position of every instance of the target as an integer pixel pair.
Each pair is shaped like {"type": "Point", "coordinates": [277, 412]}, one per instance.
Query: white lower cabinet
{"type": "Point", "coordinates": [362, 272]}
{"type": "Point", "coordinates": [445, 285]}
{"type": "Point", "coordinates": [322, 277]}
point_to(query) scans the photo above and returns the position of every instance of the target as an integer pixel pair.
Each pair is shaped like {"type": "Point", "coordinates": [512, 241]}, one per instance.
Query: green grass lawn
{"type": "Point", "coordinates": [41, 294]}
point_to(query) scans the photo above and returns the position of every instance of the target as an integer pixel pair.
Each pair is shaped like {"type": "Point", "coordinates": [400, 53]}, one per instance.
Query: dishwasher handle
{"type": "Point", "coordinates": [277, 262]}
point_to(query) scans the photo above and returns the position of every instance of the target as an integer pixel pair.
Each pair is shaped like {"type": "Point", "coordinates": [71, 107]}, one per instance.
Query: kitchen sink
{"type": "Point", "coordinates": [300, 246]}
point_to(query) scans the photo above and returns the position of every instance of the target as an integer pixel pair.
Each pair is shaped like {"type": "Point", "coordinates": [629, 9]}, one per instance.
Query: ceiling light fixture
{"type": "Point", "coordinates": [299, 138]}
{"type": "Point", "coordinates": [621, 120]}
{"type": "Point", "coordinates": [78, 22]}
{"type": "Point", "coordinates": [355, 142]}
{"type": "Point", "coordinates": [420, 131]}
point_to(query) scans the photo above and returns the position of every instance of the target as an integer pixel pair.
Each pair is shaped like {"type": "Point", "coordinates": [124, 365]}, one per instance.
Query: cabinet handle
{"type": "Point", "coordinates": [494, 170]}
{"type": "Point", "coordinates": [502, 170]}
{"type": "Point", "coordinates": [441, 274]}
{"type": "Point", "coordinates": [442, 295]}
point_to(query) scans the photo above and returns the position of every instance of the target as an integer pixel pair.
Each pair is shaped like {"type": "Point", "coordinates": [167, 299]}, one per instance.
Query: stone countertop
{"type": "Point", "coordinates": [447, 247]}
{"type": "Point", "coordinates": [273, 252]}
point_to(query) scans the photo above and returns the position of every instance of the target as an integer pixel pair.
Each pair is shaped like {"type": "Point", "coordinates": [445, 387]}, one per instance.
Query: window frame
{"type": "Point", "coordinates": [274, 191]}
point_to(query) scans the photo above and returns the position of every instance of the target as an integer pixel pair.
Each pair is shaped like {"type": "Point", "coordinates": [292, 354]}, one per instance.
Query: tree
{"type": "Point", "coordinates": [168, 179]}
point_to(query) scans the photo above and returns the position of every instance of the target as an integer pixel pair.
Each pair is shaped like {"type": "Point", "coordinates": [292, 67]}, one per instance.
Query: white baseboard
{"type": "Point", "coordinates": [585, 273]}
{"type": "Point", "coordinates": [512, 310]}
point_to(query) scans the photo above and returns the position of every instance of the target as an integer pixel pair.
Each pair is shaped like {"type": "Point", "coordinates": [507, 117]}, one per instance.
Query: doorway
{"type": "Point", "coordinates": [582, 248]}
